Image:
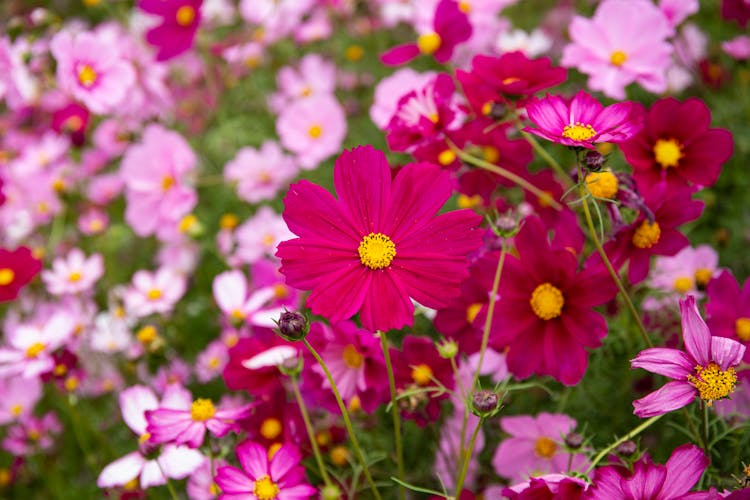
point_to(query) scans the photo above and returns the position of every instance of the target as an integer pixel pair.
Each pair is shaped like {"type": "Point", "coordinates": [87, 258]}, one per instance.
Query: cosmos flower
{"type": "Point", "coordinates": [728, 309]}
{"type": "Point", "coordinates": [17, 268]}
{"type": "Point", "coordinates": [74, 274]}
{"type": "Point", "coordinates": [176, 33]}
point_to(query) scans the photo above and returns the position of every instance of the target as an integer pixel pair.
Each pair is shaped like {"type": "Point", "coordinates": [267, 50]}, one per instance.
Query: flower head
{"type": "Point", "coordinates": [17, 268]}
{"type": "Point", "coordinates": [175, 34]}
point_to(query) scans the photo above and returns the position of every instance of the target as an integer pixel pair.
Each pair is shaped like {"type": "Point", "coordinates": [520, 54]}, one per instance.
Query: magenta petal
{"type": "Point", "coordinates": [386, 304]}
{"type": "Point", "coordinates": [645, 482]}
{"type": "Point", "coordinates": [400, 54]}
{"type": "Point", "coordinates": [684, 469]}
{"type": "Point", "coordinates": [431, 281]}
{"type": "Point", "coordinates": [285, 458]}
{"type": "Point", "coordinates": [340, 295]}
{"type": "Point", "coordinates": [726, 352]}
{"type": "Point", "coordinates": [695, 332]}
{"type": "Point", "coordinates": [232, 480]}
{"type": "Point", "coordinates": [671, 396]}
{"type": "Point", "coordinates": [310, 210]}
{"type": "Point", "coordinates": [671, 363]}
{"type": "Point", "coordinates": [452, 233]}
{"type": "Point", "coordinates": [362, 179]}
{"type": "Point", "coordinates": [307, 261]}
{"type": "Point", "coordinates": [253, 458]}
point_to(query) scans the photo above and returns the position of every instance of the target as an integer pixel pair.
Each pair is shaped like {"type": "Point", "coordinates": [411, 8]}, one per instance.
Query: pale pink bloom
{"type": "Point", "coordinates": [104, 188]}
{"type": "Point", "coordinates": [316, 27]}
{"type": "Point", "coordinates": [154, 292]}
{"type": "Point", "coordinates": [211, 361]}
{"type": "Point", "coordinates": [239, 305]}
{"type": "Point", "coordinates": [32, 435]}
{"type": "Point", "coordinates": [45, 151]}
{"type": "Point", "coordinates": [313, 129]}
{"type": "Point", "coordinates": [93, 221]}
{"type": "Point", "coordinates": [277, 18]}
{"type": "Point", "coordinates": [200, 485]}
{"type": "Point", "coordinates": [676, 11]}
{"type": "Point", "coordinates": [111, 334]}
{"type": "Point", "coordinates": [90, 68]}
{"type": "Point", "coordinates": [18, 396]}
{"type": "Point", "coordinates": [314, 76]}
{"type": "Point", "coordinates": [244, 57]}
{"type": "Point", "coordinates": [624, 42]}
{"type": "Point", "coordinates": [17, 86]}
{"type": "Point", "coordinates": [258, 236]}
{"type": "Point", "coordinates": [30, 346]}
{"type": "Point", "coordinates": [532, 44]}
{"type": "Point", "coordinates": [112, 136]}
{"type": "Point", "coordinates": [689, 271]}
{"type": "Point", "coordinates": [738, 47]}
{"type": "Point", "coordinates": [391, 89]}
{"type": "Point", "coordinates": [180, 254]}
{"type": "Point", "coordinates": [176, 373]}
{"type": "Point", "coordinates": [259, 174]}
{"type": "Point", "coordinates": [155, 172]}
{"type": "Point", "coordinates": [73, 274]}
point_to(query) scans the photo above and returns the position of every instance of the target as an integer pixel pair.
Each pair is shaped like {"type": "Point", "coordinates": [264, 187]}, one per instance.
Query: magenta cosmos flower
{"type": "Point", "coordinates": [379, 244]}
{"type": "Point", "coordinates": [17, 268]}
{"type": "Point", "coordinates": [728, 309]}
{"type": "Point", "coordinates": [281, 477]}
{"type": "Point", "coordinates": [583, 121]}
{"type": "Point", "coordinates": [705, 369]}
{"type": "Point", "coordinates": [180, 20]}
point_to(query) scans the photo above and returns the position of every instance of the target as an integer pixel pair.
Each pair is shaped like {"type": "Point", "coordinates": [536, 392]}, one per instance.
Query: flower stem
{"type": "Point", "coordinates": [310, 432]}
{"type": "Point", "coordinates": [547, 158]}
{"type": "Point", "coordinates": [466, 459]}
{"type": "Point", "coordinates": [629, 435]}
{"type": "Point", "coordinates": [347, 420]}
{"type": "Point", "coordinates": [170, 487]}
{"type": "Point", "coordinates": [704, 430]}
{"type": "Point", "coordinates": [395, 412]}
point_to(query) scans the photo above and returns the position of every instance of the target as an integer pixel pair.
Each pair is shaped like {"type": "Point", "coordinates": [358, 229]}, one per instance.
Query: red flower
{"type": "Point", "coordinates": [176, 33]}
{"type": "Point", "coordinates": [17, 268]}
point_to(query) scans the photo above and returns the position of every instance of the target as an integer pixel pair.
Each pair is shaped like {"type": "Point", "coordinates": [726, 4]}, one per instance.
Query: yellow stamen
{"type": "Point", "coordinates": [71, 383]}
{"type": "Point", "coordinates": [265, 489]}
{"type": "Point", "coordinates": [683, 284]}
{"type": "Point", "coordinates": [147, 334]}
{"type": "Point", "coordinates": [87, 75]}
{"type": "Point", "coordinates": [352, 358]}
{"type": "Point", "coordinates": [60, 370]}
{"type": "Point", "coordinates": [668, 152]}
{"type": "Point", "coordinates": [270, 428]}
{"type": "Point", "coordinates": [376, 251]}
{"type": "Point", "coordinates": [185, 15]}
{"type": "Point", "coordinates": [7, 276]}
{"type": "Point", "coordinates": [167, 182]}
{"type": "Point", "coordinates": [229, 221]}
{"type": "Point", "coordinates": [315, 131]}
{"type": "Point", "coordinates": [464, 201]}
{"type": "Point", "coordinates": [602, 184]}
{"type": "Point", "coordinates": [464, 7]}
{"type": "Point", "coordinates": [144, 437]}
{"type": "Point", "coordinates": [578, 132]}
{"type": "Point", "coordinates": [339, 456]}
{"type": "Point", "coordinates": [647, 235]}
{"type": "Point", "coordinates": [446, 157]}
{"type": "Point", "coordinates": [472, 311]}
{"type": "Point", "coordinates": [742, 328]}
{"type": "Point", "coordinates": [154, 294]}
{"type": "Point", "coordinates": [618, 58]}
{"type": "Point", "coordinates": [429, 43]}
{"type": "Point", "coordinates": [75, 276]}
{"type": "Point", "coordinates": [545, 447]}
{"type": "Point", "coordinates": [354, 53]}
{"type": "Point", "coordinates": [35, 350]}
{"type": "Point", "coordinates": [355, 404]}
{"type": "Point", "coordinates": [703, 276]}
{"type": "Point", "coordinates": [713, 383]}
{"type": "Point", "coordinates": [16, 410]}
{"type": "Point", "coordinates": [273, 449]}
{"type": "Point", "coordinates": [202, 410]}
{"type": "Point", "coordinates": [490, 154]}
{"type": "Point", "coordinates": [547, 301]}
{"type": "Point", "coordinates": [421, 374]}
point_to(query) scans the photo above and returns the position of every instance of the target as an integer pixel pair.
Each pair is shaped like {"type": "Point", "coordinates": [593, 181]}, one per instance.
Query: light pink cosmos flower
{"type": "Point", "coordinates": [276, 18]}
{"type": "Point", "coordinates": [90, 68]}
{"type": "Point", "coordinates": [74, 274]}
{"type": "Point", "coordinates": [154, 172]}
{"type": "Point", "coordinates": [200, 485]}
{"type": "Point", "coordinates": [18, 396]}
{"type": "Point", "coordinates": [231, 293]}
{"type": "Point", "coordinates": [211, 361]}
{"type": "Point", "coordinates": [738, 47]}
{"type": "Point", "coordinates": [154, 292]}
{"type": "Point", "coordinates": [314, 76]}
{"type": "Point", "coordinates": [32, 435]}
{"type": "Point", "coordinates": [258, 236]}
{"type": "Point", "coordinates": [705, 369]}
{"type": "Point", "coordinates": [689, 271]}
{"type": "Point", "coordinates": [624, 42]}
{"type": "Point", "coordinates": [389, 91]}
{"type": "Point", "coordinates": [260, 173]}
{"type": "Point", "coordinates": [175, 462]}
{"type": "Point", "coordinates": [677, 11]}
{"type": "Point", "coordinates": [30, 346]}
{"type": "Point", "coordinates": [535, 446]}
{"type": "Point", "coordinates": [313, 129]}
{"type": "Point", "coordinates": [17, 86]}
{"type": "Point", "coordinates": [93, 221]}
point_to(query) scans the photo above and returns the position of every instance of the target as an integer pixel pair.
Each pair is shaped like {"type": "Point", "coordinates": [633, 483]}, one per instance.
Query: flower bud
{"type": "Point", "coordinates": [447, 348]}
{"type": "Point", "coordinates": [594, 161]}
{"type": "Point", "coordinates": [330, 492]}
{"type": "Point", "coordinates": [485, 403]}
{"type": "Point", "coordinates": [626, 449]}
{"type": "Point", "coordinates": [292, 326]}
{"type": "Point", "coordinates": [574, 440]}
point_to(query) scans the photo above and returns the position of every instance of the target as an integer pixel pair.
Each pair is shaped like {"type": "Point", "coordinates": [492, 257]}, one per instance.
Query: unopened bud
{"type": "Point", "coordinates": [485, 403]}
{"type": "Point", "coordinates": [574, 440]}
{"type": "Point", "coordinates": [292, 326]}
{"type": "Point", "coordinates": [330, 492]}
{"type": "Point", "coordinates": [626, 449]}
{"type": "Point", "coordinates": [594, 161]}
{"type": "Point", "coordinates": [447, 348]}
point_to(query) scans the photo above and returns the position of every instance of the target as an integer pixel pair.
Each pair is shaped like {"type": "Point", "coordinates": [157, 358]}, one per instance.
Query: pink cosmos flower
{"type": "Point", "coordinates": [259, 235]}
{"type": "Point", "coordinates": [379, 244]}
{"type": "Point", "coordinates": [19, 396]}
{"type": "Point", "coordinates": [201, 485]}
{"type": "Point", "coordinates": [253, 364]}
{"type": "Point", "coordinates": [677, 11]}
{"type": "Point", "coordinates": [260, 173]}
{"type": "Point", "coordinates": [535, 447]}
{"type": "Point", "coordinates": [705, 369]}
{"type": "Point", "coordinates": [728, 309]}
{"type": "Point", "coordinates": [315, 76]}
{"type": "Point", "coordinates": [689, 271]}
{"type": "Point", "coordinates": [450, 27]}
{"type": "Point", "coordinates": [154, 292]}
{"type": "Point", "coordinates": [74, 274]}
{"type": "Point", "coordinates": [89, 67]}
{"type": "Point", "coordinates": [280, 477]}
{"type": "Point", "coordinates": [17, 268]}
{"type": "Point", "coordinates": [231, 294]}
{"type": "Point", "coordinates": [547, 486]}
{"type": "Point", "coordinates": [175, 34]}
{"type": "Point", "coordinates": [390, 90]}
{"type": "Point", "coordinates": [93, 221]}
{"type": "Point", "coordinates": [18, 88]}
{"type": "Point", "coordinates": [583, 121]}
{"type": "Point", "coordinates": [30, 346]}
{"type": "Point", "coordinates": [313, 129]}
{"type": "Point", "coordinates": [211, 361]}
{"type": "Point", "coordinates": [670, 481]}
{"type": "Point", "coordinates": [32, 435]}
{"type": "Point", "coordinates": [624, 42]}
{"type": "Point", "coordinates": [738, 47]}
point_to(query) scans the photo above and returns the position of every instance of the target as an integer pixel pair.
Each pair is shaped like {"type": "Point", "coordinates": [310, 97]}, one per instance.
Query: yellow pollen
{"type": "Point", "coordinates": [7, 276]}
{"type": "Point", "coordinates": [58, 185]}
{"type": "Point", "coordinates": [231, 340]}
{"type": "Point", "coordinates": [73, 123]}
{"type": "Point", "coordinates": [578, 132]}
{"type": "Point", "coordinates": [167, 182]}
{"type": "Point", "coordinates": [618, 58]}
{"type": "Point", "coordinates": [154, 294]}
{"type": "Point", "coordinates": [229, 221]}
{"type": "Point", "coordinates": [464, 201]}
{"type": "Point", "coordinates": [376, 251]}
{"type": "Point", "coordinates": [667, 152]}
{"type": "Point", "coordinates": [35, 350]}
{"type": "Point", "coordinates": [355, 404]}
{"type": "Point", "coordinates": [258, 35]}
{"type": "Point", "coordinates": [5, 477]}
{"type": "Point", "coordinates": [60, 370]}
{"type": "Point", "coordinates": [434, 117]}
{"type": "Point", "coordinates": [252, 62]}
{"type": "Point", "coordinates": [490, 154]}
{"type": "Point", "coordinates": [509, 80]}
{"type": "Point", "coordinates": [214, 489]}
{"type": "Point", "coordinates": [547, 301]}
{"type": "Point", "coordinates": [429, 43]}
{"type": "Point", "coordinates": [472, 311]}
{"type": "Point", "coordinates": [421, 374]}
{"type": "Point", "coordinates": [354, 53]}
{"type": "Point", "coordinates": [352, 357]}
{"type": "Point", "coordinates": [315, 131]}
{"type": "Point", "coordinates": [185, 15]}
{"type": "Point", "coordinates": [446, 157]}
{"type": "Point", "coordinates": [264, 177]}
{"type": "Point", "coordinates": [339, 455]}
{"type": "Point", "coordinates": [147, 334]}
{"type": "Point", "coordinates": [268, 240]}
{"type": "Point", "coordinates": [273, 449]}
{"type": "Point", "coordinates": [86, 75]}
{"type": "Point", "coordinates": [647, 235]}
{"type": "Point", "coordinates": [280, 291]}
{"type": "Point", "coordinates": [75, 276]}
{"type": "Point", "coordinates": [742, 328]}
{"type": "Point", "coordinates": [187, 223]}
{"type": "Point", "coordinates": [42, 208]}
{"type": "Point", "coordinates": [120, 312]}
{"type": "Point", "coordinates": [144, 437]}
{"type": "Point", "coordinates": [683, 284]}
{"type": "Point", "coordinates": [545, 200]}
{"type": "Point", "coordinates": [306, 92]}
{"type": "Point", "coordinates": [545, 447]}
{"type": "Point", "coordinates": [703, 276]}
{"type": "Point", "coordinates": [33, 435]}
{"type": "Point", "coordinates": [237, 314]}
{"type": "Point", "coordinates": [213, 363]}
{"type": "Point", "coordinates": [71, 383]}
{"type": "Point", "coordinates": [487, 108]}
{"type": "Point", "coordinates": [16, 410]}
{"type": "Point", "coordinates": [323, 438]}
{"type": "Point", "coordinates": [464, 7]}
{"type": "Point", "coordinates": [713, 383]}
{"type": "Point", "coordinates": [91, 3]}
{"type": "Point", "coordinates": [202, 410]}
{"type": "Point", "coordinates": [602, 184]}
{"type": "Point", "coordinates": [265, 489]}
{"type": "Point", "coordinates": [270, 428]}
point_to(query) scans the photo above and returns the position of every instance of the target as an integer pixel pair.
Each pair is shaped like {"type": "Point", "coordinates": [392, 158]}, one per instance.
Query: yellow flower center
{"type": "Point", "coordinates": [229, 221]}
{"type": "Point", "coordinates": [315, 131]}
{"type": "Point", "coordinates": [429, 43]}
{"type": "Point", "coordinates": [75, 276]}
{"type": "Point", "coordinates": [352, 357]}
{"type": "Point", "coordinates": [147, 334]}
{"type": "Point", "coordinates": [490, 154]}
{"type": "Point", "coordinates": [16, 410]}
{"type": "Point", "coordinates": [668, 152]}
{"type": "Point", "coordinates": [144, 437]}
{"type": "Point", "coordinates": [354, 53]}
{"type": "Point", "coordinates": [602, 184]}
{"type": "Point", "coordinates": [464, 7]}
{"type": "Point", "coordinates": [202, 409]}
{"type": "Point", "coordinates": [703, 276]}
{"type": "Point", "coordinates": [647, 234]}
{"type": "Point", "coordinates": [464, 201]}
{"type": "Point", "coordinates": [154, 294]}
{"type": "Point", "coordinates": [270, 428]}
{"type": "Point", "coordinates": [323, 438]}
{"type": "Point", "coordinates": [213, 363]}
{"type": "Point", "coordinates": [35, 350]}
{"type": "Point", "coordinates": [713, 383]}
{"type": "Point", "coordinates": [683, 284]}
{"type": "Point", "coordinates": [472, 311]}
{"type": "Point", "coordinates": [280, 291]}
{"type": "Point", "coordinates": [87, 75]}
{"type": "Point", "coordinates": [33, 435]}
{"type": "Point", "coordinates": [214, 490]}
{"type": "Point", "coordinates": [238, 315]}
{"type": "Point", "coordinates": [187, 223]}
{"type": "Point", "coordinates": [167, 182]}
{"type": "Point", "coordinates": [273, 449]}
{"type": "Point", "coordinates": [7, 276]}
{"type": "Point", "coordinates": [59, 370]}
{"type": "Point", "coordinates": [545, 447]}
{"type": "Point", "coordinates": [265, 489]}
{"type": "Point", "coordinates": [547, 301]}
{"type": "Point", "coordinates": [185, 15]}
{"type": "Point", "coordinates": [618, 58]}
{"type": "Point", "coordinates": [354, 404]}
{"type": "Point", "coordinates": [509, 80]}
{"type": "Point", "coordinates": [487, 108]}
{"type": "Point", "coordinates": [578, 132]}
{"type": "Point", "coordinates": [446, 157]}
{"type": "Point", "coordinates": [742, 328]}
{"type": "Point", "coordinates": [376, 251]}
{"type": "Point", "coordinates": [421, 374]}
{"type": "Point", "coordinates": [339, 455]}
{"type": "Point", "coordinates": [71, 383]}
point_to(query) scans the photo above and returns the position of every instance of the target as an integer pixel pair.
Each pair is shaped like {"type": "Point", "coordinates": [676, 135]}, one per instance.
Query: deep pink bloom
{"type": "Point", "coordinates": [280, 477]}
{"type": "Point", "coordinates": [728, 309]}
{"type": "Point", "coordinates": [379, 244]}
{"type": "Point", "coordinates": [705, 369]}
{"type": "Point", "coordinates": [651, 481]}
{"type": "Point", "coordinates": [17, 268]}
{"type": "Point", "coordinates": [676, 145]}
{"type": "Point", "coordinates": [547, 487]}
{"type": "Point", "coordinates": [583, 121]}
{"type": "Point", "coordinates": [737, 10]}
{"type": "Point", "coordinates": [175, 34]}
{"type": "Point", "coordinates": [450, 27]}
{"type": "Point", "coordinates": [253, 365]}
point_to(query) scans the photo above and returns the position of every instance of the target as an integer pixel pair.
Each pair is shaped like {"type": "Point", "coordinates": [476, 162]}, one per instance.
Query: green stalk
{"type": "Point", "coordinates": [466, 459]}
{"type": "Point", "coordinates": [310, 432]}
{"type": "Point", "coordinates": [395, 413]}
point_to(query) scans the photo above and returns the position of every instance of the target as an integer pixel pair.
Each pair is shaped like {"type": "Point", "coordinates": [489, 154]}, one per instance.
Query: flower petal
{"type": "Point", "coordinates": [726, 352]}
{"type": "Point", "coordinates": [664, 361]}
{"type": "Point", "coordinates": [695, 332]}
{"type": "Point", "coordinates": [363, 184]}
{"type": "Point", "coordinates": [684, 469]}
{"type": "Point", "coordinates": [671, 396]}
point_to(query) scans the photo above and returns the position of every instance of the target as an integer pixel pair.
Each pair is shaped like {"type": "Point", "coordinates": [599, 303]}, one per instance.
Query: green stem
{"type": "Point", "coordinates": [691, 424]}
{"type": "Point", "coordinates": [395, 413]}
{"type": "Point", "coordinates": [704, 430]}
{"type": "Point", "coordinates": [310, 432]}
{"type": "Point", "coordinates": [77, 426]}
{"type": "Point", "coordinates": [466, 459]}
{"type": "Point", "coordinates": [170, 486]}
{"type": "Point", "coordinates": [347, 420]}
{"type": "Point", "coordinates": [629, 435]}
{"type": "Point", "coordinates": [564, 176]}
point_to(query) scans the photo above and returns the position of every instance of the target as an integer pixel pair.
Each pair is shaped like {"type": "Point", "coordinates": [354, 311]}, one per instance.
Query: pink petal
{"type": "Point", "coordinates": [231, 480]}
{"type": "Point", "coordinates": [684, 469]}
{"type": "Point", "coordinates": [726, 352]}
{"type": "Point", "coordinates": [134, 401]}
{"type": "Point", "coordinates": [695, 332]}
{"type": "Point", "coordinates": [311, 211]}
{"type": "Point", "coordinates": [671, 396]}
{"type": "Point", "coordinates": [253, 458]}
{"type": "Point", "coordinates": [363, 184]}
{"type": "Point", "coordinates": [400, 54]}
{"type": "Point", "coordinates": [121, 471]}
{"type": "Point", "coordinates": [285, 458]}
{"type": "Point", "coordinates": [664, 361]}
{"type": "Point", "coordinates": [386, 304]}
